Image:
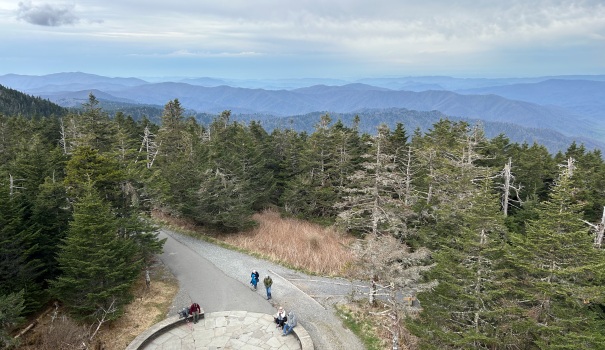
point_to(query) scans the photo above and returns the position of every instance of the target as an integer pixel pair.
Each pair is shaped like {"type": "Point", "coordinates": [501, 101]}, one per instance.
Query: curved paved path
{"type": "Point", "coordinates": [206, 284]}
{"type": "Point", "coordinates": [217, 279]}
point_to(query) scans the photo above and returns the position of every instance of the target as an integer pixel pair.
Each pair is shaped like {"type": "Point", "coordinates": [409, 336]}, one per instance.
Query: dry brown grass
{"type": "Point", "coordinates": [299, 244]}
{"type": "Point", "coordinates": [148, 307]}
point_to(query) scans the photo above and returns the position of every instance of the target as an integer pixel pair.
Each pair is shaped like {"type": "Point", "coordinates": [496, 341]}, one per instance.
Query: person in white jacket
{"type": "Point", "coordinates": [280, 317]}
{"type": "Point", "coordinates": [291, 323]}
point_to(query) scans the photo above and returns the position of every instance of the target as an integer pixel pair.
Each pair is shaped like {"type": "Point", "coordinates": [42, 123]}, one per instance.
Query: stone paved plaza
{"type": "Point", "coordinates": [236, 330]}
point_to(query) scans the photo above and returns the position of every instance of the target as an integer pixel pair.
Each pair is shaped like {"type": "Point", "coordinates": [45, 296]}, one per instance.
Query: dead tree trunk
{"type": "Point", "coordinates": [149, 146]}
{"type": "Point", "coordinates": [508, 187]}
{"type": "Point", "coordinates": [599, 230]}
{"type": "Point", "coordinates": [373, 291]}
{"type": "Point", "coordinates": [394, 318]}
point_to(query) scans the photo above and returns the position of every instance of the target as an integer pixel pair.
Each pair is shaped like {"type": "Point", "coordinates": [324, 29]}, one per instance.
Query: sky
{"type": "Point", "coordinates": [272, 39]}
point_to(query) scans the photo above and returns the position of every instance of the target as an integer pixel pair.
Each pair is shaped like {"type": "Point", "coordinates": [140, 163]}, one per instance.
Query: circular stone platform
{"type": "Point", "coordinates": [237, 330]}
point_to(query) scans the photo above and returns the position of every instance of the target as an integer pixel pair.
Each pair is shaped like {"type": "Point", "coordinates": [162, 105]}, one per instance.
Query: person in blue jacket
{"type": "Point", "coordinates": [254, 276]}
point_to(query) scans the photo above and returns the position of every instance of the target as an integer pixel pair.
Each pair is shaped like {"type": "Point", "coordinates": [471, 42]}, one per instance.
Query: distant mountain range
{"type": "Point", "coordinates": [570, 106]}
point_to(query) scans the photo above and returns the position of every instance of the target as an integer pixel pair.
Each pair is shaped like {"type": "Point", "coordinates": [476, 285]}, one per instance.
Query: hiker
{"type": "Point", "coordinates": [280, 317]}
{"type": "Point", "coordinates": [254, 278]}
{"type": "Point", "coordinates": [290, 324]}
{"type": "Point", "coordinates": [195, 310]}
{"type": "Point", "coordinates": [268, 282]}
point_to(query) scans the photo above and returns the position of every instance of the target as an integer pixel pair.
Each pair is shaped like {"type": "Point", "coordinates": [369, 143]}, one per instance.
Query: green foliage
{"type": "Point", "coordinates": [19, 265]}
{"type": "Point", "coordinates": [74, 193]}
{"type": "Point", "coordinates": [560, 273]}
{"type": "Point", "coordinates": [468, 308]}
{"type": "Point", "coordinates": [13, 103]}
{"type": "Point", "coordinates": [361, 327]}
{"type": "Point", "coordinates": [11, 307]}
{"type": "Point", "coordinates": [97, 266]}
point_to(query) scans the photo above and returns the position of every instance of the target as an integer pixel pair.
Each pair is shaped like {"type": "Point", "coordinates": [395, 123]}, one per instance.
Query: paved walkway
{"type": "Point", "coordinates": [218, 279]}
{"type": "Point", "coordinates": [227, 330]}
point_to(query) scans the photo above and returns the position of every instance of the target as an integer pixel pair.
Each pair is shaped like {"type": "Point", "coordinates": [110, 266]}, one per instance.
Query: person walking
{"type": "Point", "coordinates": [254, 276]}
{"type": "Point", "coordinates": [268, 282]}
{"type": "Point", "coordinates": [290, 324]}
{"type": "Point", "coordinates": [195, 309]}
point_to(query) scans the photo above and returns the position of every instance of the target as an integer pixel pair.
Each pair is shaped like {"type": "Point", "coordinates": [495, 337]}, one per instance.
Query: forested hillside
{"type": "Point", "coordinates": [13, 102]}
{"type": "Point", "coordinates": [500, 242]}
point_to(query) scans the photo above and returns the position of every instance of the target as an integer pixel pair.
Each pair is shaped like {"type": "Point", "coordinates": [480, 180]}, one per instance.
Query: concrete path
{"type": "Point", "coordinates": [218, 279]}
{"type": "Point", "coordinates": [202, 282]}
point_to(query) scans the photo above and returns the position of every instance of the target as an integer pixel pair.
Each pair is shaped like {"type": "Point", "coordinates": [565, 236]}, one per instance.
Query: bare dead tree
{"type": "Point", "coordinates": [599, 230]}
{"type": "Point", "coordinates": [149, 146]}
{"type": "Point", "coordinates": [102, 316]}
{"type": "Point", "coordinates": [399, 270]}
{"type": "Point", "coordinates": [63, 139]}
{"type": "Point", "coordinates": [408, 173]}
{"type": "Point", "coordinates": [13, 186]}
{"type": "Point", "coordinates": [147, 279]}
{"type": "Point", "coordinates": [569, 166]}
{"type": "Point", "coordinates": [508, 186]}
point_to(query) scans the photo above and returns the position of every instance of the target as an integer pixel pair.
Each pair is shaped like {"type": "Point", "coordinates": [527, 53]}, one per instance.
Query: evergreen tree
{"type": "Point", "coordinates": [468, 308]}
{"type": "Point", "coordinates": [286, 146]}
{"type": "Point", "coordinates": [312, 193]}
{"type": "Point", "coordinates": [50, 216]}
{"type": "Point", "coordinates": [19, 268]}
{"type": "Point", "coordinates": [97, 266]}
{"type": "Point", "coordinates": [588, 178]}
{"type": "Point", "coordinates": [373, 203]}
{"type": "Point", "coordinates": [89, 128]}
{"type": "Point", "coordinates": [11, 308]}
{"type": "Point", "coordinates": [236, 178]}
{"type": "Point", "coordinates": [534, 170]}
{"type": "Point", "coordinates": [560, 274]}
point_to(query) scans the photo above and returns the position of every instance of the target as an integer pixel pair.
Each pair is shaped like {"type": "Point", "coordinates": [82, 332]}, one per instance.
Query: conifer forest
{"type": "Point", "coordinates": [502, 243]}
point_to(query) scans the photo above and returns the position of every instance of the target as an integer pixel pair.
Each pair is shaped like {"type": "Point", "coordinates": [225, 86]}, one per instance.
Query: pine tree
{"type": "Point", "coordinates": [11, 308]}
{"type": "Point", "coordinates": [89, 128]}
{"type": "Point", "coordinates": [97, 266]}
{"type": "Point", "coordinates": [373, 201]}
{"type": "Point", "coordinates": [560, 274]}
{"type": "Point", "coordinates": [312, 192]}
{"type": "Point", "coordinates": [468, 309]}
{"type": "Point", "coordinates": [235, 179]}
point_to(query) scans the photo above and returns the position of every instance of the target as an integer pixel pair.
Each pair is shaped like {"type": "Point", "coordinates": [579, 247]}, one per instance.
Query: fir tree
{"type": "Point", "coordinates": [11, 307]}
{"type": "Point", "coordinates": [468, 308]}
{"type": "Point", "coordinates": [560, 274]}
{"type": "Point", "coordinates": [97, 266]}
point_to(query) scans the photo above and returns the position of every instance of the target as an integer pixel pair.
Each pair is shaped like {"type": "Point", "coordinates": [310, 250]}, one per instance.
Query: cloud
{"type": "Point", "coordinates": [46, 14]}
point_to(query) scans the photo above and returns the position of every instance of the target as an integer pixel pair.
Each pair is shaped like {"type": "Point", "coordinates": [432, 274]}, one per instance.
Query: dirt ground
{"type": "Point", "coordinates": [55, 331]}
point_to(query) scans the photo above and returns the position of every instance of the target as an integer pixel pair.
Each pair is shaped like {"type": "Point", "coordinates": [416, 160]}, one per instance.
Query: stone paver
{"type": "Point", "coordinates": [236, 330]}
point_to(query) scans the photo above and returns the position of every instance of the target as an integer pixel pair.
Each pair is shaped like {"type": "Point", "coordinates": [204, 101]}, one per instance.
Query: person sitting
{"type": "Point", "coordinates": [195, 310]}
{"type": "Point", "coordinates": [290, 324]}
{"type": "Point", "coordinates": [184, 312]}
{"type": "Point", "coordinates": [280, 317]}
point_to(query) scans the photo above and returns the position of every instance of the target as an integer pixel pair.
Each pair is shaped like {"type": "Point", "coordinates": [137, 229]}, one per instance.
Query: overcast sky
{"type": "Point", "coordinates": [303, 38]}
